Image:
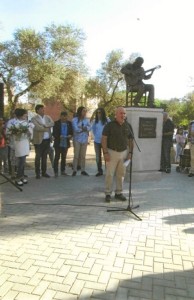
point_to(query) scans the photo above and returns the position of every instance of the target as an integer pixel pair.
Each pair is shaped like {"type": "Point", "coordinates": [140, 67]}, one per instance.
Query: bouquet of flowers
{"type": "Point", "coordinates": [18, 128]}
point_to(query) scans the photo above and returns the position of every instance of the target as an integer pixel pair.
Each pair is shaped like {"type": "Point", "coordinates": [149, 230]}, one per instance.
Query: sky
{"type": "Point", "coordinates": [161, 31]}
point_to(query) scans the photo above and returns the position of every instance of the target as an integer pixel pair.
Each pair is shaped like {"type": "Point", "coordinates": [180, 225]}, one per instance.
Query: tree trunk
{"type": "Point", "coordinates": [12, 105]}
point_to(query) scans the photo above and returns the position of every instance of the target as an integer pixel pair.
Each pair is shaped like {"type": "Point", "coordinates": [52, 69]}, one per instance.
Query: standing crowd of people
{"type": "Point", "coordinates": [181, 142]}
{"type": "Point", "coordinates": [18, 133]}
{"type": "Point", "coordinates": [112, 139]}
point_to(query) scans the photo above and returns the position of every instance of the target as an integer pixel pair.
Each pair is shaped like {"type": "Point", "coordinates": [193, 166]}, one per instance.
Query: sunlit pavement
{"type": "Point", "coordinates": [57, 240]}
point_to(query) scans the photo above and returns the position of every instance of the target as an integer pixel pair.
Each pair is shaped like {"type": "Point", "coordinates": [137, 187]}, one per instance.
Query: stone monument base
{"type": "Point", "coordinates": [147, 126]}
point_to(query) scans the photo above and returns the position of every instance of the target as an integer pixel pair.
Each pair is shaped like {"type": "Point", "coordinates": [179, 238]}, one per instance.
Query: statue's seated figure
{"type": "Point", "coordinates": [134, 76]}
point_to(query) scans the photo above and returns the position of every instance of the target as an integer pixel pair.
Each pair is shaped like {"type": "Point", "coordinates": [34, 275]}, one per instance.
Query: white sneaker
{"type": "Point", "coordinates": [19, 182]}
{"type": "Point", "coordinates": [24, 181]}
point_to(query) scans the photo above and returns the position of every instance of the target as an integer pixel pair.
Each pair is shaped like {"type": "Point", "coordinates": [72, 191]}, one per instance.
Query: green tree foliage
{"type": "Point", "coordinates": [161, 104]}
{"type": "Point", "coordinates": [107, 83]}
{"type": "Point", "coordinates": [189, 107]}
{"type": "Point", "coordinates": [181, 110]}
{"type": "Point", "coordinates": [46, 63]}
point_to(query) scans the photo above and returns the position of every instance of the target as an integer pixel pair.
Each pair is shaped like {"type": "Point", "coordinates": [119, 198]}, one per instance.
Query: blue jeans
{"type": "Point", "coordinates": [98, 151]}
{"type": "Point", "coordinates": [165, 155]}
{"type": "Point", "coordinates": [20, 167]}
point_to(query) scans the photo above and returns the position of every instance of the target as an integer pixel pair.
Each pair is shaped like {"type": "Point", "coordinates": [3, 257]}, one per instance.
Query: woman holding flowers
{"type": "Point", "coordinates": [20, 132]}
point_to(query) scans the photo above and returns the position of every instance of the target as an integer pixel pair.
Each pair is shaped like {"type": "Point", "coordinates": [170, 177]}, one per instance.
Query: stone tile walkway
{"type": "Point", "coordinates": [58, 242]}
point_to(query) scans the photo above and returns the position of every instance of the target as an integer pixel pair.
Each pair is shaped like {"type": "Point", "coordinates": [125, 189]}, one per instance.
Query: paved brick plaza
{"type": "Point", "coordinates": [58, 242]}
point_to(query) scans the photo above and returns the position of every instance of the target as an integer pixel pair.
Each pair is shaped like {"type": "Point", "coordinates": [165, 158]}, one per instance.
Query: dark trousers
{"type": "Point", "coordinates": [20, 166]}
{"type": "Point", "coordinates": [140, 89]}
{"type": "Point", "coordinates": [9, 160]}
{"type": "Point", "coordinates": [98, 151]}
{"type": "Point", "coordinates": [60, 152]}
{"type": "Point", "coordinates": [165, 155]}
{"type": "Point", "coordinates": [41, 152]}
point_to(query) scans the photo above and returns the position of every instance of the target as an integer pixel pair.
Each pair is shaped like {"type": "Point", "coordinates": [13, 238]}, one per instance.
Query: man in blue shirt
{"type": "Point", "coordinates": [62, 133]}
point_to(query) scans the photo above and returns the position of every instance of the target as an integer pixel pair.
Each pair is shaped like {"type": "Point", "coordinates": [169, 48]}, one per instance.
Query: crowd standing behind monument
{"type": "Point", "coordinates": [17, 134]}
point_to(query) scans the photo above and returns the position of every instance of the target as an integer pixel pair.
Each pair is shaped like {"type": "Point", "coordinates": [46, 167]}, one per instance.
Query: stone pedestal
{"type": "Point", "coordinates": [147, 126]}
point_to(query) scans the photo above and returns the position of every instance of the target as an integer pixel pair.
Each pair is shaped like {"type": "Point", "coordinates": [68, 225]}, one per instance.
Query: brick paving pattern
{"type": "Point", "coordinates": [58, 242]}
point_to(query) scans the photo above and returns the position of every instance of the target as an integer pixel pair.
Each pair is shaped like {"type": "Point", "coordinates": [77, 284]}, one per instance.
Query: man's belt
{"type": "Point", "coordinates": [117, 149]}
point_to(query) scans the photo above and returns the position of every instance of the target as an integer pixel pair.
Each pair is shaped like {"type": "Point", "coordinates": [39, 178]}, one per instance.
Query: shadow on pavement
{"type": "Point", "coordinates": [53, 200]}
{"type": "Point", "coordinates": [167, 285]}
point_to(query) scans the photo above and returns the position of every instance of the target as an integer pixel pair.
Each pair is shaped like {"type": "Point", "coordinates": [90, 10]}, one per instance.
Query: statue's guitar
{"type": "Point", "coordinates": [133, 76]}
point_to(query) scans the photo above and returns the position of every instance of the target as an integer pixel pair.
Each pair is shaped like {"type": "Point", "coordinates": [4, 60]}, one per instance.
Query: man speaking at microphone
{"type": "Point", "coordinates": [117, 145]}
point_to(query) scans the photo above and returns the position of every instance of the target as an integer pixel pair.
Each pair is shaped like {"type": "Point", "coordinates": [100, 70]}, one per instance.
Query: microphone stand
{"type": "Point", "coordinates": [129, 207]}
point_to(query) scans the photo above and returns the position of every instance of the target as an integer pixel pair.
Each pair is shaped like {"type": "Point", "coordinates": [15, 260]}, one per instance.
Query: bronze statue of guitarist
{"type": "Point", "coordinates": [134, 76]}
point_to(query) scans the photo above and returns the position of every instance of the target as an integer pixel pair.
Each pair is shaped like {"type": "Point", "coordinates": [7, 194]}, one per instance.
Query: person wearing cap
{"type": "Point", "coordinates": [191, 143]}
{"type": "Point", "coordinates": [62, 133]}
{"type": "Point", "coordinates": [134, 76]}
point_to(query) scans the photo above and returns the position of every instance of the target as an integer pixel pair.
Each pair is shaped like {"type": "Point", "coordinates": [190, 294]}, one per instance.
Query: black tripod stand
{"type": "Point", "coordinates": [10, 181]}
{"type": "Point", "coordinates": [129, 207]}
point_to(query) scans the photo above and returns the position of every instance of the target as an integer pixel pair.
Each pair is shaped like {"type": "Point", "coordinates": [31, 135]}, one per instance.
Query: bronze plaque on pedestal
{"type": "Point", "coordinates": [147, 128]}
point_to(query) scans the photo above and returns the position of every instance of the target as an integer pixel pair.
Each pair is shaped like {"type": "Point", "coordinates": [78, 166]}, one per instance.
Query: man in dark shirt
{"type": "Point", "coordinates": [167, 136]}
{"type": "Point", "coordinates": [117, 145]}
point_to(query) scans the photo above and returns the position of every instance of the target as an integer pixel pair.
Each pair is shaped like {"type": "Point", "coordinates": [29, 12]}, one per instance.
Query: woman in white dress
{"type": "Point", "coordinates": [21, 132]}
